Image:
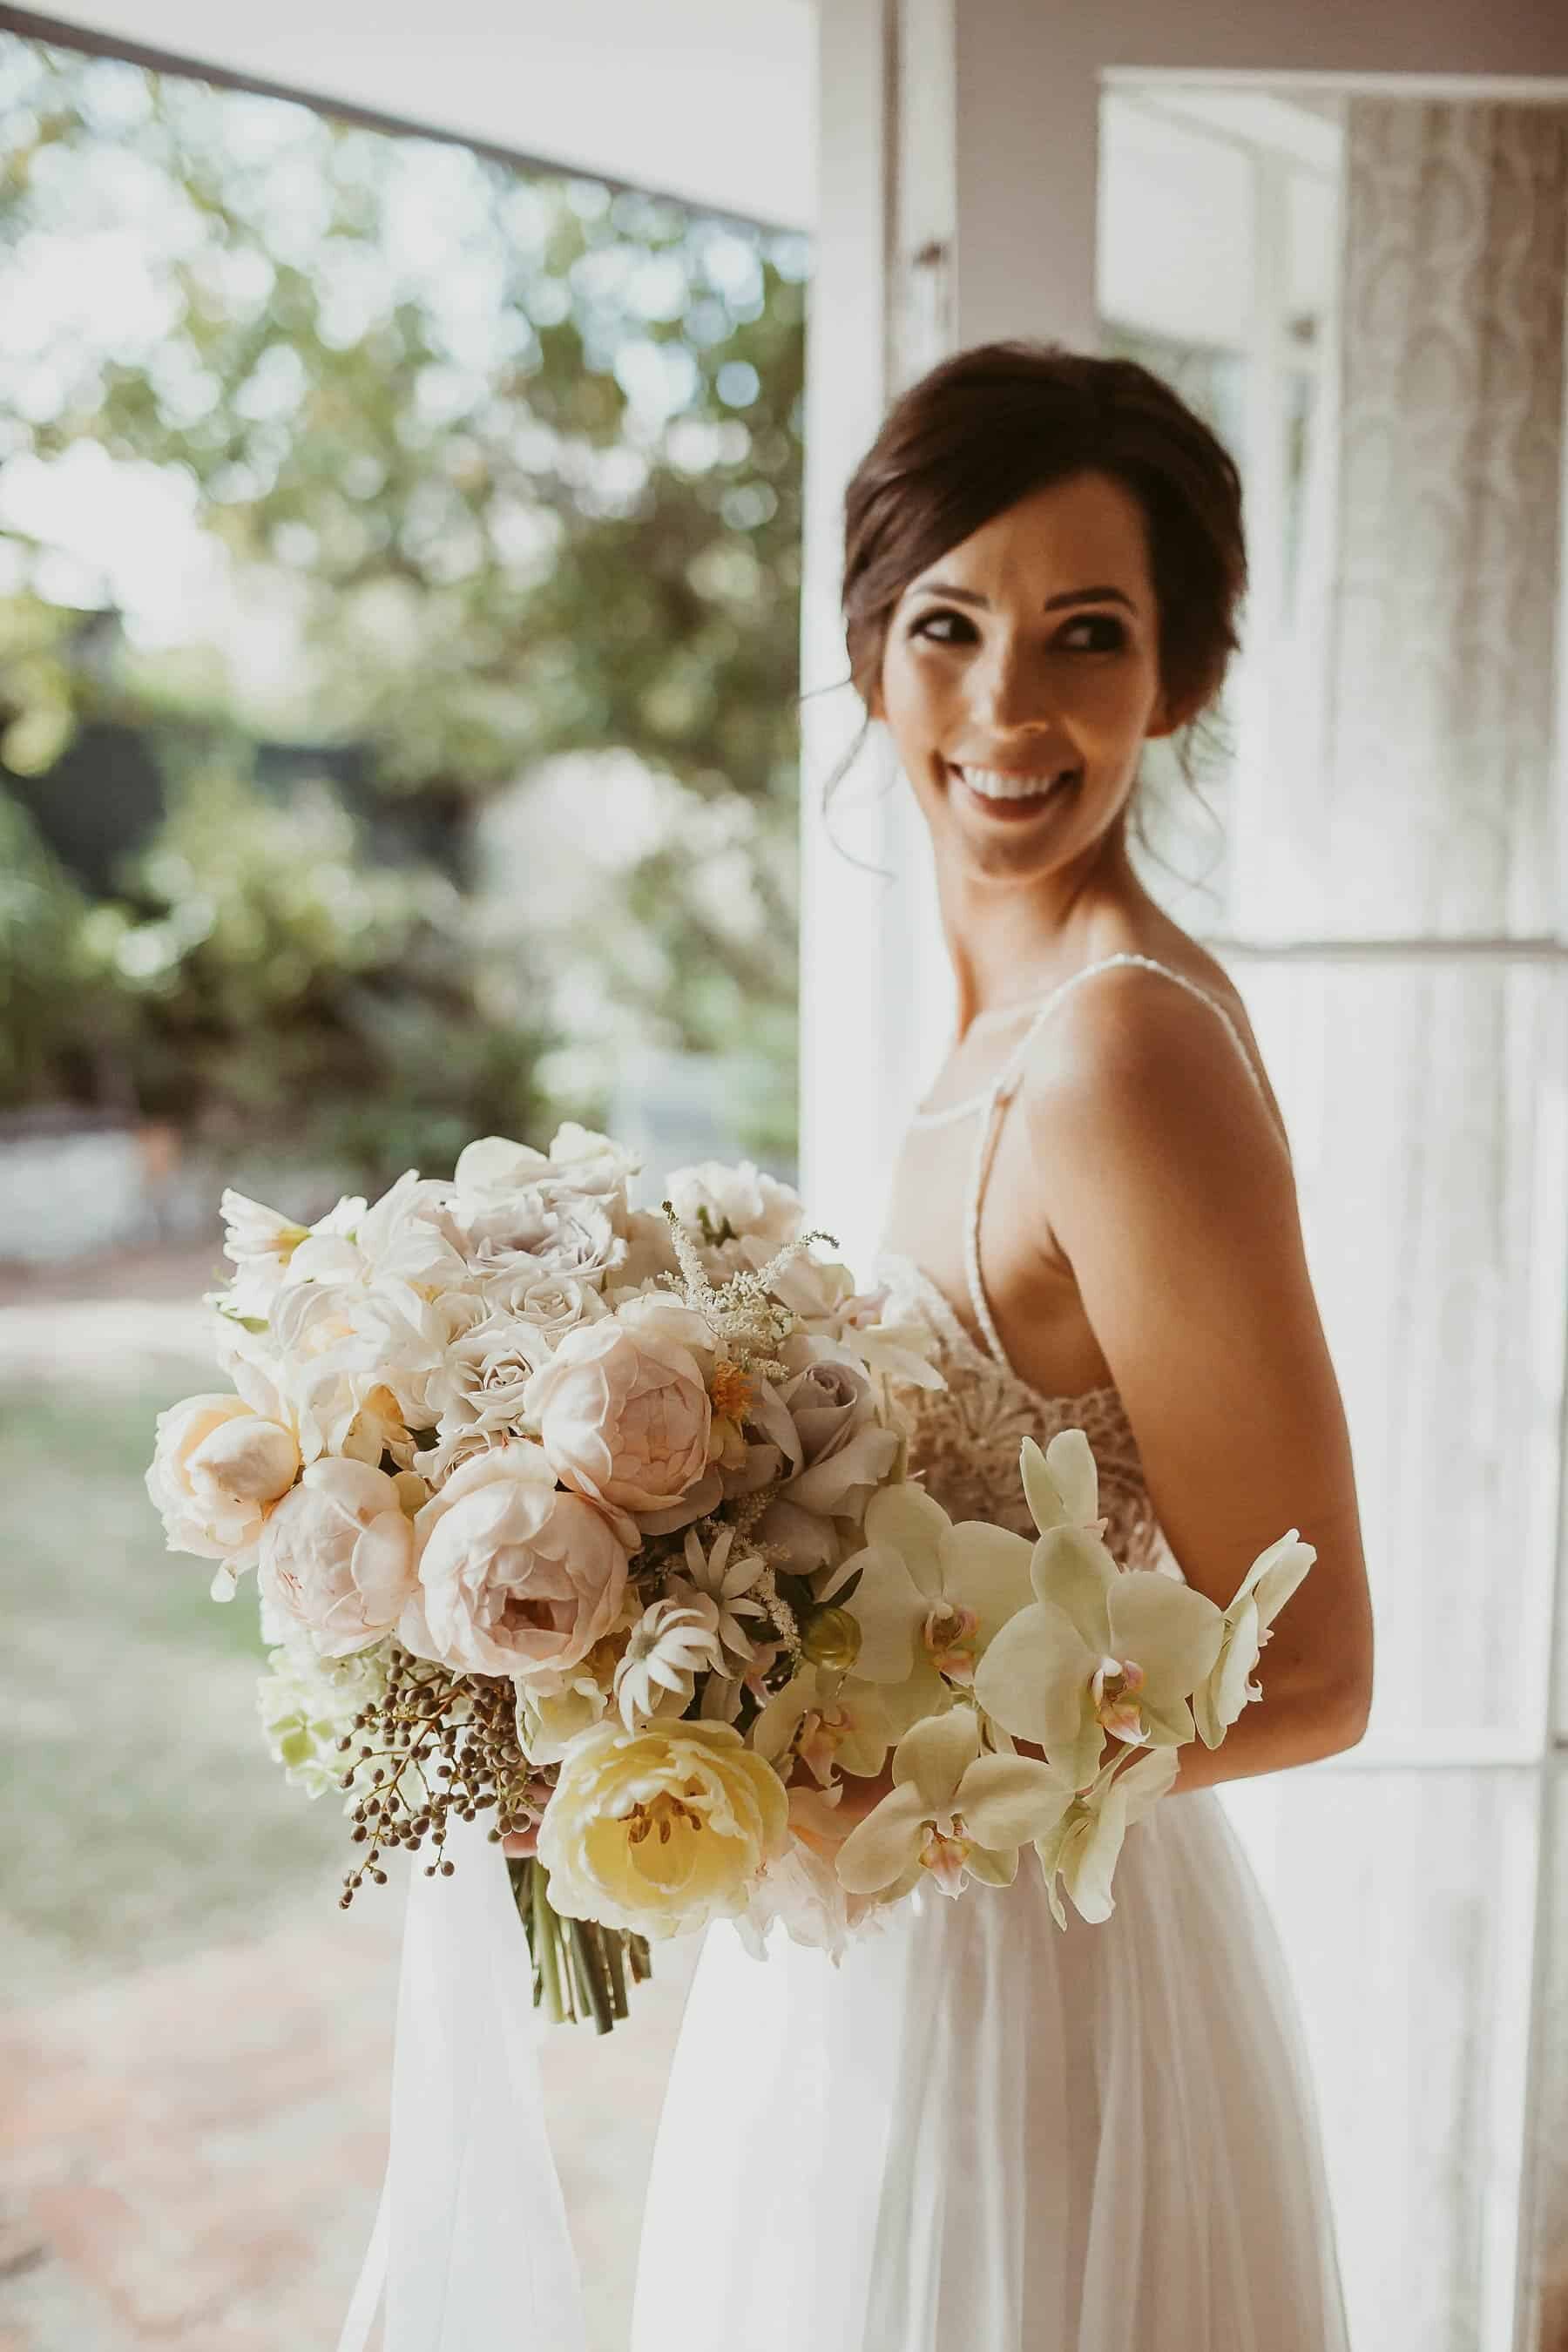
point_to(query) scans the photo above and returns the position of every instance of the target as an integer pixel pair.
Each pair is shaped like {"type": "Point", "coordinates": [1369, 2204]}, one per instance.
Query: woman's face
{"type": "Point", "coordinates": [1020, 678]}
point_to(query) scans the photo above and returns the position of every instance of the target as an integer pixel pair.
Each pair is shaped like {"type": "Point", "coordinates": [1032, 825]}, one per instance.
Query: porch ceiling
{"type": "Point", "coordinates": [709, 100]}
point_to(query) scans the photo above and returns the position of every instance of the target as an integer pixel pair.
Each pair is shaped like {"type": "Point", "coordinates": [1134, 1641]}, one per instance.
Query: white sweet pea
{"type": "Point", "coordinates": [552, 1708]}
{"type": "Point", "coordinates": [260, 1241]}
{"type": "Point", "coordinates": [1084, 1846]}
{"type": "Point", "coordinates": [1262, 1594]}
{"type": "Point", "coordinates": [954, 1810]}
{"type": "Point", "coordinates": [723, 1205]}
{"type": "Point", "coordinates": [1102, 1650]}
{"type": "Point", "coordinates": [931, 1597]}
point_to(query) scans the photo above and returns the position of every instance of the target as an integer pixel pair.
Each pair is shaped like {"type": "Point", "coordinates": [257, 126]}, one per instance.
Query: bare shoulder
{"type": "Point", "coordinates": [1171, 1196]}
{"type": "Point", "coordinates": [1133, 1037]}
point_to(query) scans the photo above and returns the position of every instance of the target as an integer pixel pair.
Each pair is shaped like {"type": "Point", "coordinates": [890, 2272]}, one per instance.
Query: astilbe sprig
{"type": "Point", "coordinates": [740, 1310]}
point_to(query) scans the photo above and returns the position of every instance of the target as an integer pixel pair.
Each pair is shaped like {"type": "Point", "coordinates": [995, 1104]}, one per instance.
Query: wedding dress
{"type": "Point", "coordinates": [980, 2133]}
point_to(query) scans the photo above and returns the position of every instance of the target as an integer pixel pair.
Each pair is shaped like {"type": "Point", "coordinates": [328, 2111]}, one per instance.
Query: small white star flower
{"type": "Point", "coordinates": [672, 1643]}
{"type": "Point", "coordinates": [725, 1582]}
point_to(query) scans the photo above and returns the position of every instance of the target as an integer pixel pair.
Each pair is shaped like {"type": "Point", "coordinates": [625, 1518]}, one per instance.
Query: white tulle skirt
{"type": "Point", "coordinates": [982, 2134]}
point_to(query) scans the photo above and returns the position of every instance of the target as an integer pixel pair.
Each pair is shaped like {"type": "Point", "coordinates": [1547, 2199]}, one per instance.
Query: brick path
{"type": "Point", "coordinates": [190, 2157]}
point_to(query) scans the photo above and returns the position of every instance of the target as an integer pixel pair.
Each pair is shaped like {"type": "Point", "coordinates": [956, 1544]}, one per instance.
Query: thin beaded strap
{"type": "Point", "coordinates": [1000, 1094]}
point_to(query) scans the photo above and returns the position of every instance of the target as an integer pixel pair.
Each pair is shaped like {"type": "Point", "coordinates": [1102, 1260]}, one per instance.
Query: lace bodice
{"type": "Point", "coordinates": [966, 1437]}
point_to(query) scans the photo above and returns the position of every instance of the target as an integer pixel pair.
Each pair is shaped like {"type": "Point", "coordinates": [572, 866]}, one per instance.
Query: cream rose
{"type": "Point", "coordinates": [336, 1556]}
{"type": "Point", "coordinates": [217, 1469]}
{"type": "Point", "coordinates": [623, 1413]}
{"type": "Point", "coordinates": [663, 1829]}
{"type": "Point", "coordinates": [513, 1576]}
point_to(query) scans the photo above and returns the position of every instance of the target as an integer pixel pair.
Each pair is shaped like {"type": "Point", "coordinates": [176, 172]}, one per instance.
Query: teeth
{"type": "Point", "coordinates": [994, 786]}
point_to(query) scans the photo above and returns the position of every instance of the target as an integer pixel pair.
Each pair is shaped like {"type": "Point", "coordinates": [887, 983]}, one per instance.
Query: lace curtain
{"type": "Point", "coordinates": [1413, 798]}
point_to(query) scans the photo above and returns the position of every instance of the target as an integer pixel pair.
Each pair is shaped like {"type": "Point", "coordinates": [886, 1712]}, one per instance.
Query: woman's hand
{"type": "Point", "coordinates": [860, 1797]}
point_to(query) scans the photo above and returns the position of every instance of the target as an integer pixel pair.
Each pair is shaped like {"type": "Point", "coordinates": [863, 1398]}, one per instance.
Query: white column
{"type": "Point", "coordinates": [957, 204]}
{"type": "Point", "coordinates": [872, 966]}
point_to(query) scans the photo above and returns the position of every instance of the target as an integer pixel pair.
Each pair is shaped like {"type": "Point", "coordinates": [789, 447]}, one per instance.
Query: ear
{"type": "Point", "coordinates": [1167, 717]}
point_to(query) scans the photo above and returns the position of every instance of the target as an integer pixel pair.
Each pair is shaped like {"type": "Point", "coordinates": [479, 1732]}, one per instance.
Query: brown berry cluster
{"type": "Point", "coordinates": [433, 1746]}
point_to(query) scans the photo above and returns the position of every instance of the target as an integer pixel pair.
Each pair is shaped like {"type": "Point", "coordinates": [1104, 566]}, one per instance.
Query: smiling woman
{"type": "Point", "coordinates": [1091, 535]}
{"type": "Point", "coordinates": [1091, 2138]}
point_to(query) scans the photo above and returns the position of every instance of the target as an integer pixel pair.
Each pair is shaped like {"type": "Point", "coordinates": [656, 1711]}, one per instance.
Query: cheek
{"type": "Point", "coordinates": [911, 692]}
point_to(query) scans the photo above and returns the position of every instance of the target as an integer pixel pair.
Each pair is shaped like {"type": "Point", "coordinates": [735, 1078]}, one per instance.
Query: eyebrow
{"type": "Point", "coordinates": [1052, 603]}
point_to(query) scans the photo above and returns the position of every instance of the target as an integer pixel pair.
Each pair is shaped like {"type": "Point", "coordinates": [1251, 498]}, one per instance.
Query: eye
{"type": "Point", "coordinates": [1106, 633]}
{"type": "Point", "coordinates": [920, 627]}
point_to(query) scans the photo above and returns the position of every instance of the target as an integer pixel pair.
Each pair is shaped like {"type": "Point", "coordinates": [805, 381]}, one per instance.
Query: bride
{"type": "Point", "coordinates": [979, 2133]}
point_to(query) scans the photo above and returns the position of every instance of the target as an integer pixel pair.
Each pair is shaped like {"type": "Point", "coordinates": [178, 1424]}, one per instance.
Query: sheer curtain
{"type": "Point", "coordinates": [1411, 801]}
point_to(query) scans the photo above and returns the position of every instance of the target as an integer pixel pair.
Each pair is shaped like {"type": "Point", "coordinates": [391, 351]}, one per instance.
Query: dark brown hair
{"type": "Point", "coordinates": [987, 426]}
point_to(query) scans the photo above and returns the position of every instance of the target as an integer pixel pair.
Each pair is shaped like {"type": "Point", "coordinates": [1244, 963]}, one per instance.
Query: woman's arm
{"type": "Point", "coordinates": [1169, 1194]}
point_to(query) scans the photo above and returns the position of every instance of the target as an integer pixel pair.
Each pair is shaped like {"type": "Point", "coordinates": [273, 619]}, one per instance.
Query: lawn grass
{"type": "Point", "coordinates": [147, 1817]}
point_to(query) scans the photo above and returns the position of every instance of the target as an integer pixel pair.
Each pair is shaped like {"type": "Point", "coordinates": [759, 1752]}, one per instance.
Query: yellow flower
{"type": "Point", "coordinates": [662, 1829]}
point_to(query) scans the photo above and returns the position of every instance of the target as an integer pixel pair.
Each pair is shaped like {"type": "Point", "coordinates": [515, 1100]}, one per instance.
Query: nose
{"type": "Point", "coordinates": [1006, 690]}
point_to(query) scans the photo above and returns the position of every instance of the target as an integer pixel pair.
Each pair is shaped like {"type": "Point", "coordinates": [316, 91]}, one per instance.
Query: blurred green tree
{"type": "Point", "coordinates": [527, 454]}
{"type": "Point", "coordinates": [281, 987]}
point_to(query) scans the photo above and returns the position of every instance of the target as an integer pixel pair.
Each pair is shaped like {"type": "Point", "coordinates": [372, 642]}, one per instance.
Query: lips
{"type": "Point", "coordinates": [1008, 801]}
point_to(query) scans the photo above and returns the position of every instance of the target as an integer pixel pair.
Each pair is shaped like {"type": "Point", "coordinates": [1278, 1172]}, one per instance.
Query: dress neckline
{"type": "Point", "coordinates": [947, 1322]}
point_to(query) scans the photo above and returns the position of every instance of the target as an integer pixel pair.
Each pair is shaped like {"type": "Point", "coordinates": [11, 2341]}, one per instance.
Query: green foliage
{"type": "Point", "coordinates": [285, 991]}
{"type": "Point", "coordinates": [57, 1018]}
{"type": "Point", "coordinates": [527, 453]}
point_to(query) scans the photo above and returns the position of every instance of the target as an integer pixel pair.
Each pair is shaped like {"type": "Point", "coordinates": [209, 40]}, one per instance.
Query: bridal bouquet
{"type": "Point", "coordinates": [596, 1520]}
{"type": "Point", "coordinates": [539, 1491]}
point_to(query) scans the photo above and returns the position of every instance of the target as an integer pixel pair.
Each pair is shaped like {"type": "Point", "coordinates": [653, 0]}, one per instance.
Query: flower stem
{"type": "Point", "coordinates": [615, 1960]}
{"type": "Point", "coordinates": [543, 1939]}
{"type": "Point", "coordinates": [579, 1967]}
{"type": "Point", "coordinates": [587, 1950]}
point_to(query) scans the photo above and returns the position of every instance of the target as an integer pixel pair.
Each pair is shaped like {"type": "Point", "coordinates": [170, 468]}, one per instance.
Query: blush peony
{"type": "Point", "coordinates": [623, 1412]}
{"type": "Point", "coordinates": [513, 1576]}
{"type": "Point", "coordinates": [337, 1557]}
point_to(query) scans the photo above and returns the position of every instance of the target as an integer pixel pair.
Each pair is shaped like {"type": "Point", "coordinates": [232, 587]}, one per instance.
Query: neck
{"type": "Point", "coordinates": [1011, 941]}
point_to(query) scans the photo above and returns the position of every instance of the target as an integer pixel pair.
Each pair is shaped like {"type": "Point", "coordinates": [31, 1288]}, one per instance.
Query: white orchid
{"type": "Point", "coordinates": [1083, 1847]}
{"type": "Point", "coordinates": [952, 1809]}
{"type": "Point", "coordinates": [1061, 1486]}
{"type": "Point", "coordinates": [672, 1644]}
{"type": "Point", "coordinates": [1101, 1651]}
{"type": "Point", "coordinates": [810, 1718]}
{"type": "Point", "coordinates": [1262, 1594]}
{"type": "Point", "coordinates": [931, 1596]}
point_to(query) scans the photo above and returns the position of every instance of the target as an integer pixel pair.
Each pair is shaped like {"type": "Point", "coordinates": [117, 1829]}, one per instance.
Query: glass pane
{"type": "Point", "coordinates": [1546, 2283]}
{"type": "Point", "coordinates": [1403, 1901]}
{"type": "Point", "coordinates": [1429, 1117]}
